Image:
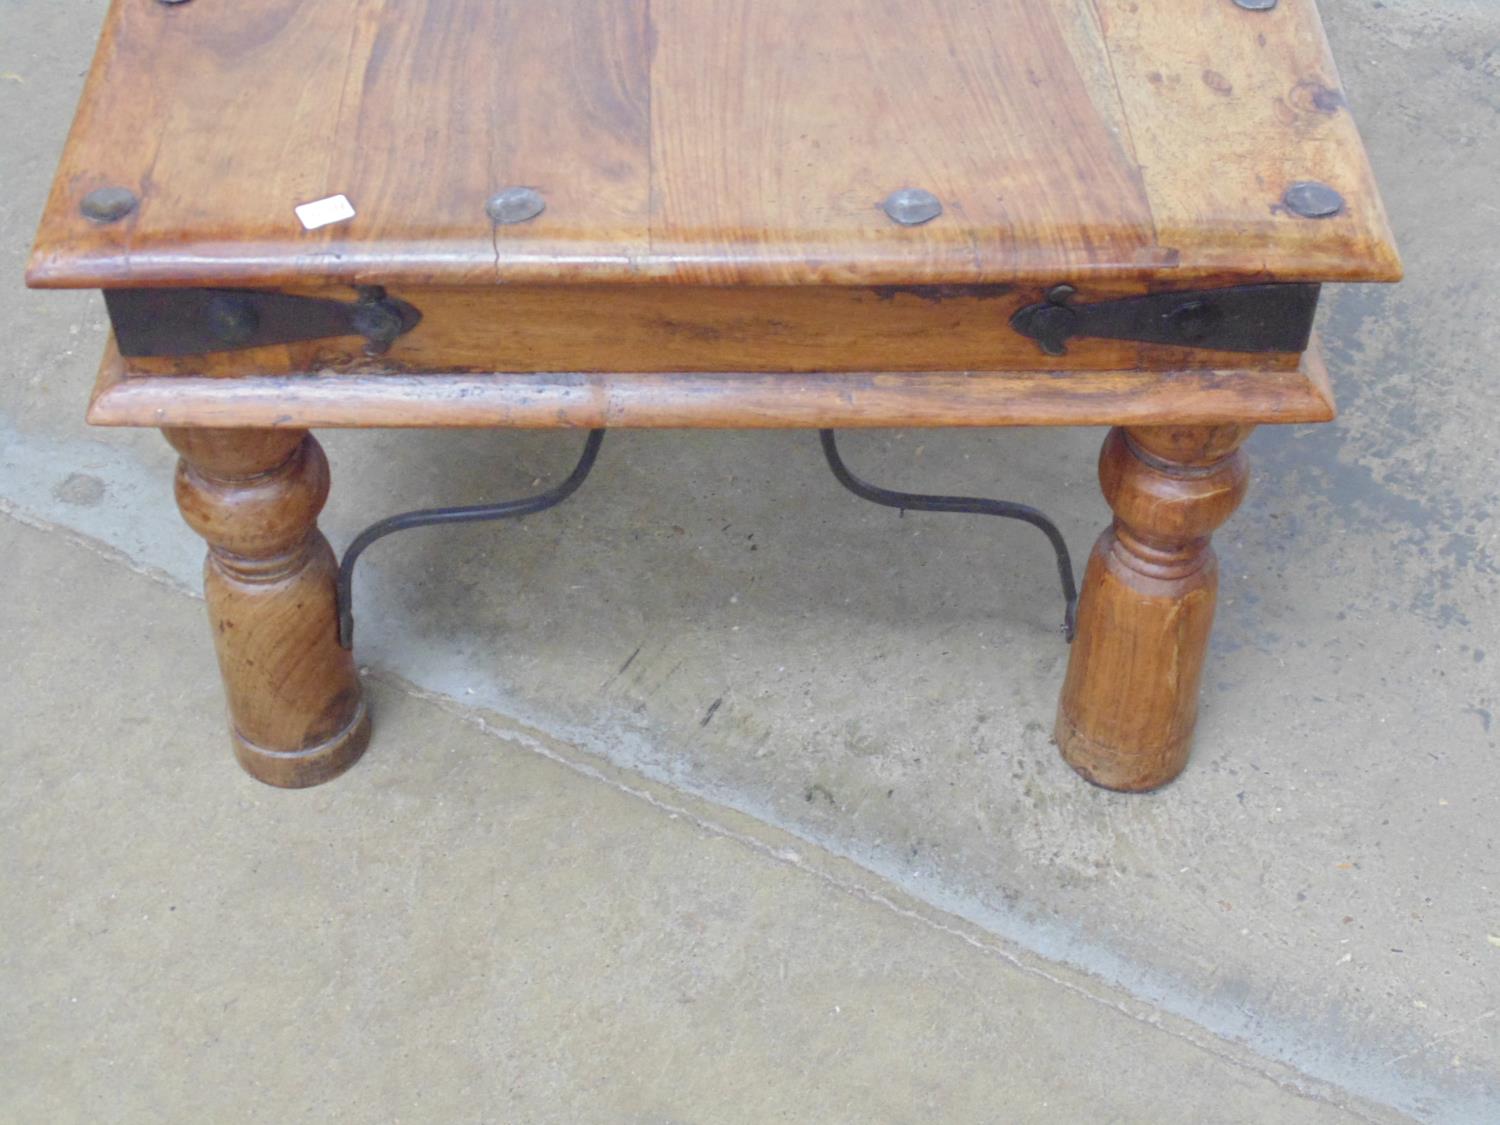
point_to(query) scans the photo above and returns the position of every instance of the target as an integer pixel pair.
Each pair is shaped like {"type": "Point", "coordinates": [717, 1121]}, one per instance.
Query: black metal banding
{"type": "Point", "coordinates": [1249, 319]}
{"type": "Point", "coordinates": [187, 322]}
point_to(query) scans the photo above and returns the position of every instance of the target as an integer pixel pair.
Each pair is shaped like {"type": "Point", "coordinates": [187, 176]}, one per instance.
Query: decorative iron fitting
{"type": "Point", "coordinates": [181, 322]}
{"type": "Point", "coordinates": [108, 204]}
{"type": "Point", "coordinates": [912, 207]}
{"type": "Point", "coordinates": [434, 517]}
{"type": "Point", "coordinates": [1246, 318]}
{"type": "Point", "coordinates": [966, 506]}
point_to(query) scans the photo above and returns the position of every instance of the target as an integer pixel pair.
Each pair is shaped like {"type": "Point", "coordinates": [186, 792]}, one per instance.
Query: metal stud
{"type": "Point", "coordinates": [515, 205]}
{"type": "Point", "coordinates": [108, 204]}
{"type": "Point", "coordinates": [911, 207]}
{"type": "Point", "coordinates": [233, 318]}
{"type": "Point", "coordinates": [1256, 5]}
{"type": "Point", "coordinates": [1312, 200]}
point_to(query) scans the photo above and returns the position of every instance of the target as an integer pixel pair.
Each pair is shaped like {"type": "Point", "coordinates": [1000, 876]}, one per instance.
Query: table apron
{"type": "Point", "coordinates": [648, 329]}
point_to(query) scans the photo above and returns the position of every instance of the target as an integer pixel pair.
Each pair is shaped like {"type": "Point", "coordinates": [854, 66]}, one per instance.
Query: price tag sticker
{"type": "Point", "coordinates": [325, 212]}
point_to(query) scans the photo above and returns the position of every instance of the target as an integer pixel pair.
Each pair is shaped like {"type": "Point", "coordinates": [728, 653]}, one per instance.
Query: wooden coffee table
{"type": "Point", "coordinates": [593, 214]}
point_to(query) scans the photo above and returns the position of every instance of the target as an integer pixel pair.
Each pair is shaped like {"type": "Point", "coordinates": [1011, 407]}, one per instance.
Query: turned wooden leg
{"type": "Point", "coordinates": [296, 710]}
{"type": "Point", "coordinates": [1131, 696]}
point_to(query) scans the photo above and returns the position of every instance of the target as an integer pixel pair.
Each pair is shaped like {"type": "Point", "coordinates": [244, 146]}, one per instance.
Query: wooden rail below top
{"type": "Point", "coordinates": [729, 401]}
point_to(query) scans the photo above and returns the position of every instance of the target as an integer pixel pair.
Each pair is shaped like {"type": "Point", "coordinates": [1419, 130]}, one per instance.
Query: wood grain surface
{"type": "Point", "coordinates": [296, 709]}
{"type": "Point", "coordinates": [739, 142]}
{"type": "Point", "coordinates": [635, 328]}
{"type": "Point", "coordinates": [729, 399]}
{"type": "Point", "coordinates": [1130, 701]}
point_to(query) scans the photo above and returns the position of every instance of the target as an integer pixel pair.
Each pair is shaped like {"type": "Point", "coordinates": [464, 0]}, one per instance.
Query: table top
{"type": "Point", "coordinates": [713, 142]}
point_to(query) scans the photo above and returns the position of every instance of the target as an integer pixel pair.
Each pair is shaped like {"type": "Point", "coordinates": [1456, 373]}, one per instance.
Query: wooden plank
{"type": "Point", "coordinates": [779, 127]}
{"type": "Point", "coordinates": [734, 400]}
{"type": "Point", "coordinates": [739, 142]}
{"type": "Point", "coordinates": [1226, 110]}
{"type": "Point", "coordinates": [224, 117]}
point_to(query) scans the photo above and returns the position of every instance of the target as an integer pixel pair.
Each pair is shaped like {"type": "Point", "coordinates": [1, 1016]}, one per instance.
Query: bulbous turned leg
{"type": "Point", "coordinates": [1130, 700]}
{"type": "Point", "coordinates": [296, 709]}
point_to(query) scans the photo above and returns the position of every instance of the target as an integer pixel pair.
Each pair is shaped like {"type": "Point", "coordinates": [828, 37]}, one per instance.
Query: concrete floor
{"type": "Point", "coordinates": [773, 713]}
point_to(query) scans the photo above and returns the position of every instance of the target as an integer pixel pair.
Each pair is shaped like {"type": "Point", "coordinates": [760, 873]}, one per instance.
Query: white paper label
{"type": "Point", "coordinates": [326, 212]}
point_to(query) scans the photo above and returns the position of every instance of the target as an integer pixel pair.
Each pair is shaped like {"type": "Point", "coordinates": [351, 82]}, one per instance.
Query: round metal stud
{"type": "Point", "coordinates": [1256, 5]}
{"type": "Point", "coordinates": [515, 205]}
{"type": "Point", "coordinates": [1193, 321]}
{"type": "Point", "coordinates": [233, 319]}
{"type": "Point", "coordinates": [911, 207]}
{"type": "Point", "coordinates": [1313, 200]}
{"type": "Point", "coordinates": [108, 204]}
